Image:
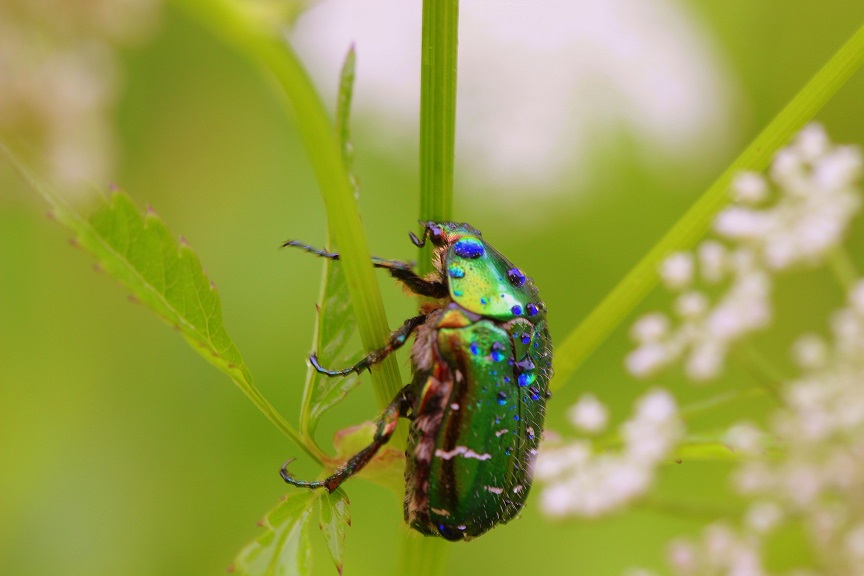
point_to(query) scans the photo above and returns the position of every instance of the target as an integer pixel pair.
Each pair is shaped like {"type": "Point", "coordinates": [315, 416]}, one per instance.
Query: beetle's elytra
{"type": "Point", "coordinates": [482, 361]}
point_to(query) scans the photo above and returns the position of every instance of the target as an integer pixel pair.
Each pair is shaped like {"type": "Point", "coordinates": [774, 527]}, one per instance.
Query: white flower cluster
{"type": "Point", "coordinates": [58, 80]}
{"type": "Point", "coordinates": [581, 482]}
{"type": "Point", "coordinates": [794, 218]}
{"type": "Point", "coordinates": [819, 477]}
{"type": "Point", "coordinates": [722, 552]}
{"type": "Point", "coordinates": [816, 476]}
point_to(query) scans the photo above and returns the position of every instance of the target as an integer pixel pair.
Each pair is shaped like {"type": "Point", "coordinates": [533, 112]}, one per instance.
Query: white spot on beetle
{"type": "Point", "coordinates": [461, 451]}
{"type": "Point", "coordinates": [494, 490]}
{"type": "Point", "coordinates": [517, 489]}
{"type": "Point", "coordinates": [454, 406]}
{"type": "Point", "coordinates": [500, 433]}
{"type": "Point", "coordinates": [440, 512]}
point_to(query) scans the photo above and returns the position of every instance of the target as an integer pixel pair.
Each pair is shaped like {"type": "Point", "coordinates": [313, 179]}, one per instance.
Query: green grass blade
{"type": "Point", "coordinates": [266, 46]}
{"type": "Point", "coordinates": [284, 547]}
{"type": "Point", "coordinates": [639, 282]}
{"type": "Point", "coordinates": [166, 276]}
{"type": "Point", "coordinates": [343, 112]}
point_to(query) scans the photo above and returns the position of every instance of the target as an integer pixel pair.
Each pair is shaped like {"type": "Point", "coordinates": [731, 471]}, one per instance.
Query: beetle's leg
{"type": "Point", "coordinates": [376, 261]}
{"type": "Point", "coordinates": [386, 425]}
{"type": "Point", "coordinates": [396, 340]}
{"type": "Point", "coordinates": [417, 284]}
{"type": "Point", "coordinates": [399, 270]}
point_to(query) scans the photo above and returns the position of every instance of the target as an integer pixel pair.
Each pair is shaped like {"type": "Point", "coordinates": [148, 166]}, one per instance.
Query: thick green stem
{"type": "Point", "coordinates": [428, 556]}
{"type": "Point", "coordinates": [639, 282]}
{"type": "Point", "coordinates": [437, 113]}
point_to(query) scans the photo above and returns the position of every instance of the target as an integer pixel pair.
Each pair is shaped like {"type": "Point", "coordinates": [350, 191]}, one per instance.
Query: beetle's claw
{"type": "Point", "coordinates": [416, 241]}
{"type": "Point", "coordinates": [284, 471]}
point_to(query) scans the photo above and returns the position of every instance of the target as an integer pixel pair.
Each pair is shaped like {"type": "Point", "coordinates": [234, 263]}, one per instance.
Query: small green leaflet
{"type": "Point", "coordinates": [284, 549]}
{"type": "Point", "coordinates": [166, 276]}
{"type": "Point", "coordinates": [334, 518]}
{"type": "Point", "coordinates": [336, 324]}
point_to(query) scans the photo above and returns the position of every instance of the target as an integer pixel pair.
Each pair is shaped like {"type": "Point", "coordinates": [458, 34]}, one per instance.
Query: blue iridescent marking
{"type": "Point", "coordinates": [475, 348]}
{"type": "Point", "coordinates": [532, 309]}
{"type": "Point", "coordinates": [506, 379]}
{"type": "Point", "coordinates": [484, 300]}
{"type": "Point", "coordinates": [526, 338]}
{"type": "Point", "coordinates": [516, 310]}
{"type": "Point", "coordinates": [516, 417]}
{"type": "Point", "coordinates": [516, 277]}
{"type": "Point", "coordinates": [457, 293]}
{"type": "Point", "coordinates": [502, 398]}
{"type": "Point", "coordinates": [497, 352]}
{"type": "Point", "coordinates": [534, 393]}
{"type": "Point", "coordinates": [525, 379]}
{"type": "Point", "coordinates": [456, 272]}
{"type": "Point", "coordinates": [469, 248]}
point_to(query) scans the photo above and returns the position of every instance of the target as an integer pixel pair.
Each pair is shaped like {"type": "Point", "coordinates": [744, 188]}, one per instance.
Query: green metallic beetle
{"type": "Point", "coordinates": [482, 361]}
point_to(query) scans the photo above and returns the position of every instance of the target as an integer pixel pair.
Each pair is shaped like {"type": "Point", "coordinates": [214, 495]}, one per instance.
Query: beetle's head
{"type": "Point", "coordinates": [443, 233]}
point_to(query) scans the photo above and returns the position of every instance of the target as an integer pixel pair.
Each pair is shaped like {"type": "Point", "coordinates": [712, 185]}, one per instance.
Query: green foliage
{"type": "Point", "coordinates": [284, 547]}
{"type": "Point", "coordinates": [334, 517]}
{"type": "Point", "coordinates": [336, 322]}
{"type": "Point", "coordinates": [265, 45]}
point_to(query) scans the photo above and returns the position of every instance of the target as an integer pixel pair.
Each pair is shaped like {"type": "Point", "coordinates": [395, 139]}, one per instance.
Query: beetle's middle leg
{"type": "Point", "coordinates": [402, 271]}
{"type": "Point", "coordinates": [400, 406]}
{"type": "Point", "coordinates": [397, 340]}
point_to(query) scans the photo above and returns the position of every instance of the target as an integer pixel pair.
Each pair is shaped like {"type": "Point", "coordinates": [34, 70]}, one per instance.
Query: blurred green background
{"type": "Point", "coordinates": [123, 453]}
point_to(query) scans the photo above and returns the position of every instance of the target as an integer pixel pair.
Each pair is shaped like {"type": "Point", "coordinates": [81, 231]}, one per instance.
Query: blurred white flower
{"type": "Point", "coordinates": [578, 481]}
{"type": "Point", "coordinates": [589, 414]}
{"type": "Point", "coordinates": [749, 188]}
{"type": "Point", "coordinates": [677, 270]}
{"type": "Point", "coordinates": [795, 218]}
{"type": "Point", "coordinates": [722, 551]}
{"type": "Point", "coordinates": [542, 87]}
{"type": "Point", "coordinates": [745, 438]}
{"type": "Point", "coordinates": [58, 80]}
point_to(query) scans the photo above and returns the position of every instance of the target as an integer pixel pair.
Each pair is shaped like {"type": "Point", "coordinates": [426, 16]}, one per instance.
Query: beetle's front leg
{"type": "Point", "coordinates": [386, 426]}
{"type": "Point", "coordinates": [401, 271]}
{"type": "Point", "coordinates": [396, 340]}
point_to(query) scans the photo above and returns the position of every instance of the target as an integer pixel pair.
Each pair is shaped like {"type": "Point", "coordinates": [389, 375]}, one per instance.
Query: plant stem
{"type": "Point", "coordinates": [691, 227]}
{"type": "Point", "coordinates": [423, 556]}
{"type": "Point", "coordinates": [437, 113]}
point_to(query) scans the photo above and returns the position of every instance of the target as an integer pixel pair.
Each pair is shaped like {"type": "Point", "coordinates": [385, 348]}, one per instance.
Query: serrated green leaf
{"type": "Point", "coordinates": [334, 518]}
{"type": "Point", "coordinates": [166, 276]}
{"type": "Point", "coordinates": [283, 549]}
